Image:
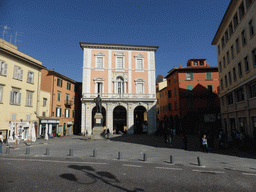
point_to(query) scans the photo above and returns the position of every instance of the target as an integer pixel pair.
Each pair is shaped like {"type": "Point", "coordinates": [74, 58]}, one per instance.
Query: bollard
{"type": "Point", "coordinates": [27, 151]}
{"type": "Point", "coordinates": [7, 150]}
{"type": "Point", "coordinates": [47, 151]}
{"type": "Point", "coordinates": [144, 157]}
{"type": "Point", "coordinates": [171, 160]}
{"type": "Point", "coordinates": [95, 153]}
{"type": "Point", "coordinates": [119, 155]}
{"type": "Point", "coordinates": [198, 160]}
{"type": "Point", "coordinates": [70, 152]}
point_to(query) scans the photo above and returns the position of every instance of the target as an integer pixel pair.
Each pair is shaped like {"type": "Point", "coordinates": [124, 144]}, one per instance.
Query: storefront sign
{"type": "Point", "coordinates": [50, 121]}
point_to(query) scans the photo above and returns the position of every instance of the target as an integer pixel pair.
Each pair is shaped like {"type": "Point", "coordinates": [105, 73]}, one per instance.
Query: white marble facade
{"type": "Point", "coordinates": [128, 96]}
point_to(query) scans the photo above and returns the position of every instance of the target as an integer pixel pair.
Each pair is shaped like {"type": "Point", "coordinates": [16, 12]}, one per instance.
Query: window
{"type": "Point", "coordinates": [175, 105]}
{"type": "Point", "coordinates": [44, 102]}
{"type": "Point", "coordinates": [230, 28]}
{"type": "Point", "coordinates": [243, 34]}
{"type": "Point", "coordinates": [74, 100]}
{"type": "Point", "coordinates": [209, 88]}
{"type": "Point", "coordinates": [1, 93]}
{"type": "Point", "coordinates": [120, 85]}
{"type": "Point", "coordinates": [68, 86]}
{"type": "Point", "coordinates": [226, 36]}
{"type": "Point", "coordinates": [228, 57]}
{"type": "Point", "coordinates": [169, 81]}
{"type": "Point", "coordinates": [59, 94]}
{"type": "Point", "coordinates": [241, 11]}
{"type": "Point", "coordinates": [169, 93]}
{"type": "Point", "coordinates": [58, 111]}
{"type": "Point", "coordinates": [219, 49]}
{"type": "Point", "coordinates": [240, 94]}
{"type": "Point", "coordinates": [248, 3]}
{"type": "Point", "coordinates": [29, 98]}
{"type": "Point", "coordinates": [195, 63]}
{"type": "Point", "coordinates": [201, 63]}
{"type": "Point", "coordinates": [251, 28]}
{"type": "Point", "coordinates": [175, 92]}
{"type": "Point", "coordinates": [139, 59]}
{"type": "Point", "coordinates": [224, 62]}
{"type": "Point", "coordinates": [74, 113]}
{"type": "Point", "coordinates": [229, 99]}
{"type": "Point", "coordinates": [229, 78]}
{"type": "Point", "coordinates": [67, 98]}
{"type": "Point", "coordinates": [232, 52]}
{"type": "Point", "coordinates": [209, 75]}
{"type": "Point", "coordinates": [220, 67]}
{"type": "Point", "coordinates": [120, 62]}
{"type": "Point", "coordinates": [3, 68]}
{"type": "Point", "coordinates": [18, 73]}
{"type": "Point", "coordinates": [169, 106]}
{"type": "Point", "coordinates": [254, 57]}
{"type": "Point", "coordinates": [30, 78]}
{"type": "Point", "coordinates": [189, 89]}
{"type": "Point", "coordinates": [246, 64]}
{"type": "Point", "coordinates": [28, 117]}
{"type": "Point", "coordinates": [240, 69]}
{"type": "Point", "coordinates": [174, 78]}
{"type": "Point", "coordinates": [221, 84]}
{"type": "Point", "coordinates": [226, 81]}
{"type": "Point", "coordinates": [235, 19]}
{"type": "Point", "coordinates": [74, 88]}
{"type": "Point", "coordinates": [15, 96]}
{"type": "Point", "coordinates": [237, 46]}
{"type": "Point", "coordinates": [59, 82]}
{"type": "Point", "coordinates": [189, 76]}
{"type": "Point", "coordinates": [139, 88]}
{"type": "Point", "coordinates": [99, 62]}
{"type": "Point", "coordinates": [13, 116]}
{"type": "Point", "coordinates": [252, 90]}
{"type": "Point", "coordinates": [234, 74]}
{"type": "Point", "coordinates": [222, 42]}
{"type": "Point", "coordinates": [139, 64]}
{"type": "Point", "coordinates": [67, 111]}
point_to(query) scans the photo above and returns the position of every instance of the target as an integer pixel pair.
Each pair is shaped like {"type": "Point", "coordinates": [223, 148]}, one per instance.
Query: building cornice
{"type": "Point", "coordinates": [118, 46]}
{"type": "Point", "coordinates": [189, 69]}
{"type": "Point", "coordinates": [51, 72]}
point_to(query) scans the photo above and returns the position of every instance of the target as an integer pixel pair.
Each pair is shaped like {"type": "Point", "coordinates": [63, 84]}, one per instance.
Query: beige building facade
{"type": "Point", "coordinates": [236, 50]}
{"type": "Point", "coordinates": [20, 78]}
{"type": "Point", "coordinates": [124, 77]}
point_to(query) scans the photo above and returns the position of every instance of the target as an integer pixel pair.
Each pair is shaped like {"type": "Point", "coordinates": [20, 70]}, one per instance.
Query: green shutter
{"type": "Point", "coordinates": [56, 111]}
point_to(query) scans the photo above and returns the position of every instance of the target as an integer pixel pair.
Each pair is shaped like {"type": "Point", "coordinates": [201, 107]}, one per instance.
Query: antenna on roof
{"type": "Point", "coordinates": [5, 30]}
{"type": "Point", "coordinates": [16, 34]}
{"type": "Point", "coordinates": [11, 36]}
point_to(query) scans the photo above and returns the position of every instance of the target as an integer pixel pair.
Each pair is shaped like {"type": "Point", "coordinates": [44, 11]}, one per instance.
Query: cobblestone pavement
{"type": "Point", "coordinates": [132, 148]}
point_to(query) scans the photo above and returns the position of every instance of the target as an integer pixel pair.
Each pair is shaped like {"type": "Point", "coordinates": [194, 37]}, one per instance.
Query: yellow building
{"type": "Point", "coordinates": [236, 50]}
{"type": "Point", "coordinates": [20, 78]}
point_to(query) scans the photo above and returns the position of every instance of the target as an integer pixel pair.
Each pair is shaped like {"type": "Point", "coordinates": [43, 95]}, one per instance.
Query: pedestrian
{"type": "Point", "coordinates": [1, 141]}
{"type": "Point", "coordinates": [205, 144]}
{"type": "Point", "coordinates": [107, 133]}
{"type": "Point", "coordinates": [170, 140]}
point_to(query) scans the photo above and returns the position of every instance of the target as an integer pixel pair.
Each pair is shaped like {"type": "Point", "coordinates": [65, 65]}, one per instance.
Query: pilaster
{"type": "Point", "coordinates": [130, 119]}
{"type": "Point", "coordinates": [83, 128]}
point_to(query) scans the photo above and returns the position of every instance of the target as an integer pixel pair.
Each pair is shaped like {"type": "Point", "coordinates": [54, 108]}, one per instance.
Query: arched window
{"type": "Point", "coordinates": [120, 84]}
{"type": "Point", "coordinates": [99, 85]}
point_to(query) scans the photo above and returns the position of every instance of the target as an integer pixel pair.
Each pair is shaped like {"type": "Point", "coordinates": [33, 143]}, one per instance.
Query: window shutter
{"type": "Point", "coordinates": [4, 68]}
{"type": "Point", "coordinates": [27, 99]}
{"type": "Point", "coordinates": [11, 97]}
{"type": "Point", "coordinates": [15, 72]}
{"type": "Point", "coordinates": [192, 76]}
{"type": "Point", "coordinates": [19, 98]}
{"type": "Point", "coordinates": [60, 112]}
{"type": "Point", "coordinates": [28, 77]}
{"type": "Point", "coordinates": [21, 74]}
{"type": "Point", "coordinates": [31, 98]}
{"type": "Point", "coordinates": [32, 77]}
{"type": "Point", "coordinates": [56, 111]}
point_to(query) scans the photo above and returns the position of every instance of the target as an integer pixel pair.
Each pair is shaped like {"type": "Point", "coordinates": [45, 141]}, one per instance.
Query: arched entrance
{"type": "Point", "coordinates": [119, 119]}
{"type": "Point", "coordinates": [140, 119]}
{"type": "Point", "coordinates": [103, 111]}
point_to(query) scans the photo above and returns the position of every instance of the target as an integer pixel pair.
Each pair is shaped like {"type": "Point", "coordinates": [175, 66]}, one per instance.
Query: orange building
{"type": "Point", "coordinates": [192, 98]}
{"type": "Point", "coordinates": [62, 103]}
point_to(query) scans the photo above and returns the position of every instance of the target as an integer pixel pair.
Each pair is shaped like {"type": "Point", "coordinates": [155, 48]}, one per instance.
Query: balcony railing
{"type": "Point", "coordinates": [68, 103]}
{"type": "Point", "coordinates": [119, 95]}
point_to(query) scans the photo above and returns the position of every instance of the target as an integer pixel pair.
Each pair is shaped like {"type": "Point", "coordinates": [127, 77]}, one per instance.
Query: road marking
{"type": "Point", "coordinates": [52, 161]}
{"type": "Point", "coordinates": [169, 168]}
{"type": "Point", "coordinates": [249, 174]}
{"type": "Point", "coordinates": [203, 171]}
{"type": "Point", "coordinates": [127, 165]}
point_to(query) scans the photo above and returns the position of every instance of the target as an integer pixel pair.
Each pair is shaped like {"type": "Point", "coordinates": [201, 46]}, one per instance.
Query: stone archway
{"type": "Point", "coordinates": [140, 119]}
{"type": "Point", "coordinates": [119, 119]}
{"type": "Point", "coordinates": [103, 114]}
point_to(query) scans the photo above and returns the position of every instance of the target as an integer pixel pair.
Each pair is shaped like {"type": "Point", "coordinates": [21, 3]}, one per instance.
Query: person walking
{"type": "Point", "coordinates": [1, 141]}
{"type": "Point", "coordinates": [205, 144]}
{"type": "Point", "coordinates": [170, 140]}
{"type": "Point", "coordinates": [107, 133]}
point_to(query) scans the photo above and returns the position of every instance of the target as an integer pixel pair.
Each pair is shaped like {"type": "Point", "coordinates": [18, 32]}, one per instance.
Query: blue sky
{"type": "Point", "coordinates": [52, 29]}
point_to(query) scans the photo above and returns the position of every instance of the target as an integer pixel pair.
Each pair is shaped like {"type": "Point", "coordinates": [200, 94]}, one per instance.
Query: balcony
{"type": "Point", "coordinates": [118, 96]}
{"type": "Point", "coordinates": [68, 103]}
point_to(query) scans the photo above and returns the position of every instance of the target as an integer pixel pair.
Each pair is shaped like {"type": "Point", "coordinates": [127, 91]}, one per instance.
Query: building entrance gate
{"type": "Point", "coordinates": [119, 119]}
{"type": "Point", "coordinates": [140, 119]}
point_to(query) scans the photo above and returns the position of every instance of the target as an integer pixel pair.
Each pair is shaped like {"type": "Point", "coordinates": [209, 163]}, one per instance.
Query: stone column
{"type": "Point", "coordinates": [50, 129]}
{"type": "Point", "coordinates": [83, 118]}
{"type": "Point", "coordinates": [109, 117]}
{"type": "Point", "coordinates": [40, 130]}
{"type": "Point", "coordinates": [88, 118]}
{"type": "Point", "coordinates": [130, 119]}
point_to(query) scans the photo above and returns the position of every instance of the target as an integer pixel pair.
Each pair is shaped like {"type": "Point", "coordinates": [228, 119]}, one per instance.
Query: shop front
{"type": "Point", "coordinates": [48, 128]}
